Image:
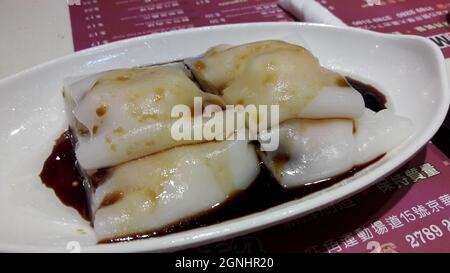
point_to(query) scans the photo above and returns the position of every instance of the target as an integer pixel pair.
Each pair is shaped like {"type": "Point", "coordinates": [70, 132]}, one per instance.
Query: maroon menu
{"type": "Point", "coordinates": [424, 18]}
{"type": "Point", "coordinates": [96, 22]}
{"type": "Point", "coordinates": [408, 211]}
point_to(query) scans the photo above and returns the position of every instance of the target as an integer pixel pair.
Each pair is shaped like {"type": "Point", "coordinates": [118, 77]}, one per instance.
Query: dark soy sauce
{"type": "Point", "coordinates": [61, 174]}
{"type": "Point", "coordinates": [373, 99]}
{"type": "Point", "coordinates": [264, 193]}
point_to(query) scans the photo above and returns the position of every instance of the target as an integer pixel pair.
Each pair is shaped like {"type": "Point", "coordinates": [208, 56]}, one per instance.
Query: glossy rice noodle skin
{"type": "Point", "coordinates": [221, 64]}
{"type": "Point", "coordinates": [314, 150]}
{"type": "Point", "coordinates": [311, 150]}
{"type": "Point", "coordinates": [278, 73]}
{"type": "Point", "coordinates": [158, 190]}
{"type": "Point", "coordinates": [324, 128]}
{"type": "Point", "coordinates": [140, 182]}
{"type": "Point", "coordinates": [378, 133]}
{"type": "Point", "coordinates": [126, 114]}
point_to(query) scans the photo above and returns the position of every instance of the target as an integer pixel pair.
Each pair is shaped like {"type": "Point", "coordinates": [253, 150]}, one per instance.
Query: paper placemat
{"type": "Point", "coordinates": [423, 18]}
{"type": "Point", "coordinates": [408, 211]}
{"type": "Point", "coordinates": [96, 22]}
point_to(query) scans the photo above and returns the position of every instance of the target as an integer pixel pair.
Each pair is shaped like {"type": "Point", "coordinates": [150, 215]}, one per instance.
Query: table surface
{"type": "Point", "coordinates": [33, 32]}
{"type": "Point", "coordinates": [36, 31]}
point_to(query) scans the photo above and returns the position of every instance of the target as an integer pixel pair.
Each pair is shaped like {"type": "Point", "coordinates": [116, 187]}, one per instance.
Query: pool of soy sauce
{"type": "Point", "coordinates": [61, 174]}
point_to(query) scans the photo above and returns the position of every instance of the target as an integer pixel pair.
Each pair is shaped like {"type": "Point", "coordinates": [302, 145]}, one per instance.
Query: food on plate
{"type": "Point", "coordinates": [156, 191]}
{"type": "Point", "coordinates": [282, 74]}
{"type": "Point", "coordinates": [222, 63]}
{"type": "Point", "coordinates": [378, 133]}
{"type": "Point", "coordinates": [312, 150]}
{"type": "Point", "coordinates": [125, 114]}
{"type": "Point", "coordinates": [141, 181]}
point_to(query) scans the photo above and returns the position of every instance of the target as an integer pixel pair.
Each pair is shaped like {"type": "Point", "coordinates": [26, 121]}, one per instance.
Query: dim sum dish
{"type": "Point", "coordinates": [118, 178]}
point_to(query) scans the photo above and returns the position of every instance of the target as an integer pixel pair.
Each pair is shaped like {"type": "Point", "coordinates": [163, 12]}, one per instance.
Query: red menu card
{"type": "Point", "coordinates": [96, 22]}
{"type": "Point", "coordinates": [424, 18]}
{"type": "Point", "coordinates": [408, 211]}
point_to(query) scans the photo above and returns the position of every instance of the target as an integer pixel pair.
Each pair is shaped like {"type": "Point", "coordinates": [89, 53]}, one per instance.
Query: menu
{"type": "Point", "coordinates": [96, 22]}
{"type": "Point", "coordinates": [408, 211]}
{"type": "Point", "coordinates": [424, 18]}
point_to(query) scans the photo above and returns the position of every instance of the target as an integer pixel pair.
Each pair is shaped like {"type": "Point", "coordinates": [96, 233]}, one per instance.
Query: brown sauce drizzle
{"type": "Point", "coordinates": [110, 199]}
{"type": "Point", "coordinates": [264, 193]}
{"type": "Point", "coordinates": [61, 174]}
{"type": "Point", "coordinates": [373, 99]}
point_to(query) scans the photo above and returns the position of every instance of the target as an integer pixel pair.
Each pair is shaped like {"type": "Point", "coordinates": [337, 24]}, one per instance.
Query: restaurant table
{"type": "Point", "coordinates": [36, 31]}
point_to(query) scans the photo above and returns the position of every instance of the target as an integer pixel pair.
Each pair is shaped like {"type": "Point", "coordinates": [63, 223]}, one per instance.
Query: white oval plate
{"type": "Point", "coordinates": [410, 70]}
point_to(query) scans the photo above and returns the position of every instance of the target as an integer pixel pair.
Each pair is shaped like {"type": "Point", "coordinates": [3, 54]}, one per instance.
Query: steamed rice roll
{"type": "Point", "coordinates": [153, 192]}
{"type": "Point", "coordinates": [377, 133]}
{"type": "Point", "coordinates": [315, 150]}
{"type": "Point", "coordinates": [278, 73]}
{"type": "Point", "coordinates": [125, 114]}
{"type": "Point", "coordinates": [310, 150]}
{"type": "Point", "coordinates": [222, 64]}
